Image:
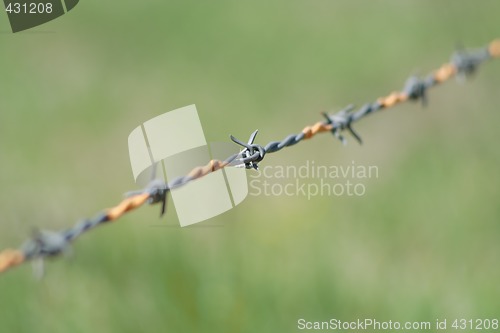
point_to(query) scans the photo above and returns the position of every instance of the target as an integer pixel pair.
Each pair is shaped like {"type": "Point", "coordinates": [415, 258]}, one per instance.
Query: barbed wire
{"type": "Point", "coordinates": [44, 244]}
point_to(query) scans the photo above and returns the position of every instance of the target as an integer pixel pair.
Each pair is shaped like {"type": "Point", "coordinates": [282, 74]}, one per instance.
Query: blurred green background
{"type": "Point", "coordinates": [421, 244]}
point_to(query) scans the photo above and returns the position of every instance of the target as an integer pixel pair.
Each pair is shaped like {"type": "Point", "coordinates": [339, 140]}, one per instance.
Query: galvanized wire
{"type": "Point", "coordinates": [49, 244]}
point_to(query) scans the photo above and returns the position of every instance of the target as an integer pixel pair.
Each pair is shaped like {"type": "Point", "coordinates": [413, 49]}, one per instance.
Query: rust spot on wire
{"type": "Point", "coordinates": [319, 127]}
{"type": "Point", "coordinates": [393, 99]}
{"type": "Point", "coordinates": [494, 48]}
{"type": "Point", "coordinates": [445, 72]}
{"type": "Point", "coordinates": [127, 205]}
{"type": "Point", "coordinates": [10, 258]}
{"type": "Point", "coordinates": [212, 166]}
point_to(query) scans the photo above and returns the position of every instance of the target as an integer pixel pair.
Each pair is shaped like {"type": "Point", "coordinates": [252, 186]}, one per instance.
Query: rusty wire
{"type": "Point", "coordinates": [45, 244]}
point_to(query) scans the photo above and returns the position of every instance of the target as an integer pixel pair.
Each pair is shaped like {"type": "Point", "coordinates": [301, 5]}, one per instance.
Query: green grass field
{"type": "Point", "coordinates": [420, 245]}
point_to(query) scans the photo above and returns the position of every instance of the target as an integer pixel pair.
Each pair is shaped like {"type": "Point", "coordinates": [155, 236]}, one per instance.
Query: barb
{"type": "Point", "coordinates": [50, 244]}
{"type": "Point", "coordinates": [252, 154]}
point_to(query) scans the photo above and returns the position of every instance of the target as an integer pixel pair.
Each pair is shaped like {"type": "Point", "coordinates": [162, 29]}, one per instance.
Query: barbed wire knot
{"type": "Point", "coordinates": [340, 121]}
{"type": "Point", "coordinates": [158, 192]}
{"type": "Point", "coordinates": [45, 243]}
{"type": "Point", "coordinates": [467, 62]}
{"type": "Point", "coordinates": [416, 89]}
{"type": "Point", "coordinates": [253, 153]}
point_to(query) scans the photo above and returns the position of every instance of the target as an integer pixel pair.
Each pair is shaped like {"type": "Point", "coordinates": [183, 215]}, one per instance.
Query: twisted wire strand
{"type": "Point", "coordinates": [49, 244]}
